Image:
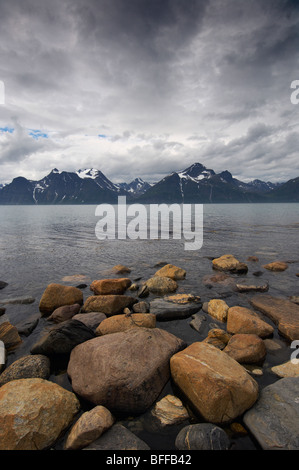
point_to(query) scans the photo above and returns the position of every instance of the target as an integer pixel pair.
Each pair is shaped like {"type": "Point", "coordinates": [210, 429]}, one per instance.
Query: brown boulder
{"type": "Point", "coordinates": [110, 286]}
{"type": "Point", "coordinates": [161, 285]}
{"type": "Point", "coordinates": [64, 313]}
{"type": "Point", "coordinates": [9, 334]}
{"type": "Point", "coordinates": [218, 338]}
{"type": "Point", "coordinates": [57, 295]}
{"type": "Point", "coordinates": [218, 309]}
{"type": "Point", "coordinates": [217, 386]}
{"type": "Point", "coordinates": [171, 271]}
{"type": "Point", "coordinates": [34, 413]}
{"type": "Point", "coordinates": [284, 313]}
{"type": "Point", "coordinates": [108, 304]}
{"type": "Point", "coordinates": [244, 320]}
{"type": "Point", "coordinates": [246, 349]}
{"type": "Point", "coordinates": [126, 371]}
{"type": "Point", "coordinates": [229, 263]}
{"type": "Point", "coordinates": [118, 323]}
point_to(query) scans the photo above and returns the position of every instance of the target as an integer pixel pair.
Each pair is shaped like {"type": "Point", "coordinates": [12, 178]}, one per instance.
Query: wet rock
{"type": "Point", "coordinates": [121, 269]}
{"type": "Point", "coordinates": [217, 386]}
{"type": "Point", "coordinates": [182, 298]}
{"type": "Point", "coordinates": [61, 339]}
{"type": "Point", "coordinates": [119, 323]}
{"type": "Point", "coordinates": [171, 271]}
{"type": "Point", "coordinates": [219, 280]}
{"type": "Point", "coordinates": [89, 427]}
{"type": "Point", "coordinates": [141, 307]}
{"type": "Point", "coordinates": [229, 263]}
{"type": "Point", "coordinates": [27, 367]}
{"type": "Point", "coordinates": [253, 259]}
{"type": "Point", "coordinates": [253, 369]}
{"type": "Point", "coordinates": [3, 284]}
{"type": "Point", "coordinates": [197, 322]}
{"type": "Point", "coordinates": [64, 313]}
{"type": "Point", "coordinates": [81, 286]}
{"type": "Point", "coordinates": [108, 304]}
{"type": "Point", "coordinates": [244, 320]}
{"type": "Point", "coordinates": [276, 266]}
{"type": "Point", "coordinates": [218, 309]}
{"type": "Point", "coordinates": [143, 292]}
{"type": "Point", "coordinates": [110, 286]}
{"type": "Point", "coordinates": [202, 436]}
{"type": "Point", "coordinates": [26, 327]}
{"type": "Point", "coordinates": [161, 285]}
{"type": "Point", "coordinates": [284, 313]}
{"type": "Point", "coordinates": [92, 320]}
{"type": "Point", "coordinates": [165, 310]}
{"type": "Point", "coordinates": [218, 338]}
{"type": "Point", "coordinates": [246, 349]}
{"type": "Point", "coordinates": [252, 288]}
{"type": "Point", "coordinates": [18, 301]}
{"type": "Point", "coordinates": [118, 438]}
{"type": "Point", "coordinates": [288, 369]}
{"type": "Point", "coordinates": [9, 334]}
{"type": "Point", "coordinates": [56, 295]}
{"type": "Point", "coordinates": [170, 411]}
{"type": "Point", "coordinates": [34, 413]}
{"type": "Point", "coordinates": [128, 370]}
{"type": "Point", "coordinates": [273, 420]}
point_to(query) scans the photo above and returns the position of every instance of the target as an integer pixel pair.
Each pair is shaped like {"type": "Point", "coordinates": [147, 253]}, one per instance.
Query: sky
{"type": "Point", "coordinates": [147, 87]}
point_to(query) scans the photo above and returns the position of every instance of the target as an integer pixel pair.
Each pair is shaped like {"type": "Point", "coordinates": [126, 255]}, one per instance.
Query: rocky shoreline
{"type": "Point", "coordinates": [119, 360]}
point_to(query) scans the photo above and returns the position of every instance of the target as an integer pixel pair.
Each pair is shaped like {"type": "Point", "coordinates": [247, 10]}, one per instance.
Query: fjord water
{"type": "Point", "coordinates": [44, 244]}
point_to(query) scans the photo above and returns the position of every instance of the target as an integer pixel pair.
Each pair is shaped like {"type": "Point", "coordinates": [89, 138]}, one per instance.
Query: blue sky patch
{"type": "Point", "coordinates": [37, 134]}
{"type": "Point", "coordinates": [7, 129]}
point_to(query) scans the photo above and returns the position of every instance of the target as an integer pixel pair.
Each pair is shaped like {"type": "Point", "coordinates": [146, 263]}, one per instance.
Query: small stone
{"type": "Point", "coordinates": [218, 309]}
{"type": "Point", "coordinates": [197, 321]}
{"type": "Point", "coordinates": [171, 271]}
{"type": "Point", "coordinates": [170, 411]}
{"type": "Point", "coordinates": [134, 287]}
{"type": "Point", "coordinates": [161, 285]}
{"type": "Point", "coordinates": [254, 259]}
{"type": "Point", "coordinates": [141, 307]}
{"type": "Point", "coordinates": [253, 369]}
{"type": "Point", "coordinates": [3, 284]}
{"type": "Point", "coordinates": [276, 266]}
{"type": "Point", "coordinates": [202, 436]}
{"type": "Point", "coordinates": [288, 369]}
{"type": "Point", "coordinates": [26, 327]}
{"type": "Point", "coordinates": [238, 430]}
{"type": "Point", "coordinates": [9, 334]}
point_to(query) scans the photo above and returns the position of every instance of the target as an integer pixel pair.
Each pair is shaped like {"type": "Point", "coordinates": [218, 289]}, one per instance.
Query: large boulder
{"type": "Point", "coordinates": [34, 413]}
{"type": "Point", "coordinates": [57, 295]}
{"type": "Point", "coordinates": [62, 338]}
{"type": "Point", "coordinates": [171, 271]}
{"type": "Point", "coordinates": [273, 420]}
{"type": "Point", "coordinates": [108, 304]}
{"type": "Point", "coordinates": [27, 367]}
{"type": "Point", "coordinates": [284, 313]}
{"type": "Point", "coordinates": [126, 371]}
{"type": "Point", "coordinates": [118, 323]}
{"type": "Point", "coordinates": [243, 320]}
{"type": "Point", "coordinates": [110, 286]}
{"type": "Point", "coordinates": [218, 387]}
{"type": "Point", "coordinates": [89, 427]}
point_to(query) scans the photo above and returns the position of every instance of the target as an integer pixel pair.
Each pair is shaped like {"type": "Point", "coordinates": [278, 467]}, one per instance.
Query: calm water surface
{"type": "Point", "coordinates": [44, 244]}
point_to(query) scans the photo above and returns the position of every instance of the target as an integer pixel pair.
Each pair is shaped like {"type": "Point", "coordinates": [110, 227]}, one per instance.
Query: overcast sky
{"type": "Point", "coordinates": [148, 87]}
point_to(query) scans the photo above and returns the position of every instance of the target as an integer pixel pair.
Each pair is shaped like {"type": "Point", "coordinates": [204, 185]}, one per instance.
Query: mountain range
{"type": "Point", "coordinates": [195, 184]}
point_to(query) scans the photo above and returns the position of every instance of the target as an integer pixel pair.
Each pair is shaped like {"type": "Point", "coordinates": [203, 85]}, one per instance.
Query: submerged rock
{"type": "Point", "coordinates": [128, 370]}
{"type": "Point", "coordinates": [26, 327]}
{"type": "Point", "coordinates": [33, 413]}
{"type": "Point", "coordinates": [273, 420]}
{"type": "Point", "coordinates": [3, 284]}
{"type": "Point", "coordinates": [202, 436]}
{"type": "Point", "coordinates": [217, 386]}
{"type": "Point", "coordinates": [252, 288]}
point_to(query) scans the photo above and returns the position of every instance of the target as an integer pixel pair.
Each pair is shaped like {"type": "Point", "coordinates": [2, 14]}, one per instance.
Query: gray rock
{"type": "Point", "coordinates": [27, 367]}
{"type": "Point", "coordinates": [165, 310]}
{"type": "Point", "coordinates": [26, 327]}
{"type": "Point", "coordinates": [18, 301]}
{"type": "Point", "coordinates": [141, 307]}
{"type": "Point", "coordinates": [197, 322]}
{"type": "Point", "coordinates": [274, 418]}
{"type": "Point", "coordinates": [63, 338]}
{"type": "Point", "coordinates": [202, 436]}
{"type": "Point", "coordinates": [118, 438]}
{"type": "Point", "coordinates": [3, 284]}
{"type": "Point", "coordinates": [91, 320]}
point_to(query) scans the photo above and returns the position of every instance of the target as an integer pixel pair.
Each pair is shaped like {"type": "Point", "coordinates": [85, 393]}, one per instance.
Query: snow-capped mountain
{"type": "Point", "coordinates": [136, 187]}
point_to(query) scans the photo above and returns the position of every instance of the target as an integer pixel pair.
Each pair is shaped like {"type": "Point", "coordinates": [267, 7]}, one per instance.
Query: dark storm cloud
{"type": "Point", "coordinates": [166, 82]}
